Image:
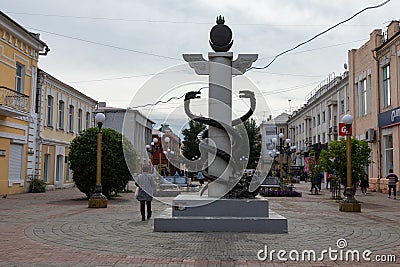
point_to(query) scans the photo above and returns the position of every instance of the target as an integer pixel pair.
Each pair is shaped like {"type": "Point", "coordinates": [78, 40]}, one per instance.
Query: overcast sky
{"type": "Point", "coordinates": [128, 41]}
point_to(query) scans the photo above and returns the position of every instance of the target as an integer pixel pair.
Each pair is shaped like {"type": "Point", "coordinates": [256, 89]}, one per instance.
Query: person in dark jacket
{"type": "Point", "coordinates": [364, 184]}
{"type": "Point", "coordinates": [147, 187]}
{"type": "Point", "coordinates": [392, 180]}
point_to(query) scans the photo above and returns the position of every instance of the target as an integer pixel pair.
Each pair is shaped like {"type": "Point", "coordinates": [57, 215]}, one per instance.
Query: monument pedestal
{"type": "Point", "coordinates": [204, 214]}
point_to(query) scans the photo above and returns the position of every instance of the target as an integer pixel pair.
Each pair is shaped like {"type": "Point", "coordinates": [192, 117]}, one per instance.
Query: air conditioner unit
{"type": "Point", "coordinates": [370, 135]}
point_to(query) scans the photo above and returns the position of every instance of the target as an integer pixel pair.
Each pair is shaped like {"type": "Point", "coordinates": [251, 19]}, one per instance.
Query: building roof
{"type": "Point", "coordinates": [281, 118]}
{"type": "Point", "coordinates": [32, 35]}
{"type": "Point", "coordinates": [49, 76]}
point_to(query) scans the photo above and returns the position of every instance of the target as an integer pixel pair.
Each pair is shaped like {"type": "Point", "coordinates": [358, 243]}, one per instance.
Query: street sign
{"type": "Point", "coordinates": [342, 129]}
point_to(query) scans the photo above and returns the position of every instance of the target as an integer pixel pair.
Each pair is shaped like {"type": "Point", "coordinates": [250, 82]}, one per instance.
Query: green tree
{"type": "Point", "coordinates": [314, 169]}
{"type": "Point", "coordinates": [118, 157]}
{"type": "Point", "coordinates": [335, 159]}
{"type": "Point", "coordinates": [190, 146]}
{"type": "Point", "coordinates": [254, 143]}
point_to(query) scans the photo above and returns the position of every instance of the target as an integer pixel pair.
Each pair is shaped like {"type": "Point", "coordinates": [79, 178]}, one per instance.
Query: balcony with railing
{"type": "Point", "coordinates": [13, 103]}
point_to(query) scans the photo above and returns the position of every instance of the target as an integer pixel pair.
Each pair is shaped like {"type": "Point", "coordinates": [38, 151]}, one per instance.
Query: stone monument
{"type": "Point", "coordinates": [229, 206]}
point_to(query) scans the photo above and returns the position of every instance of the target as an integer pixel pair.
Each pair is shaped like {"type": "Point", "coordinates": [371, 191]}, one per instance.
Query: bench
{"type": "Point", "coordinates": [271, 183]}
{"type": "Point", "coordinates": [174, 182]}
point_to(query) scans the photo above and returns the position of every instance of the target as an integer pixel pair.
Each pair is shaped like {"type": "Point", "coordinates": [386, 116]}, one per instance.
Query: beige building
{"type": "Point", "coordinates": [19, 55]}
{"type": "Point", "coordinates": [63, 112]}
{"type": "Point", "coordinates": [316, 123]}
{"type": "Point", "coordinates": [375, 99]}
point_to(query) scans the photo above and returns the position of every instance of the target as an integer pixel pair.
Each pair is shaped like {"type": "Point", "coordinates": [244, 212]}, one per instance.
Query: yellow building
{"type": "Point", "coordinates": [19, 54]}
{"type": "Point", "coordinates": [63, 112]}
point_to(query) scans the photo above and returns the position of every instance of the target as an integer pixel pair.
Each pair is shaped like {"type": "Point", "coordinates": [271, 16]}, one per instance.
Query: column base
{"type": "Point", "coordinates": [350, 207]}
{"type": "Point", "coordinates": [98, 200]}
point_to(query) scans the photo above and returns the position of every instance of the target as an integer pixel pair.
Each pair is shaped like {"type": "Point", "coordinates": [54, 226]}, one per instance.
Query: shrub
{"type": "Point", "coordinates": [37, 186]}
{"type": "Point", "coordinates": [117, 154]}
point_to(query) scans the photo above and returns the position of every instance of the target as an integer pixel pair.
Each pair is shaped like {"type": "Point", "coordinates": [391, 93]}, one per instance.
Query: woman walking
{"type": "Point", "coordinates": [146, 188]}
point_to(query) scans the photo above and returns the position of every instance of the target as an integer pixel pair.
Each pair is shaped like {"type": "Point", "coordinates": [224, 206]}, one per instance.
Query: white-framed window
{"type": "Point", "coordinates": [71, 118]}
{"type": "Point", "coordinates": [87, 120]}
{"type": "Point", "coordinates": [80, 119]}
{"type": "Point", "coordinates": [369, 94]}
{"type": "Point", "coordinates": [388, 143]}
{"type": "Point", "coordinates": [61, 108]}
{"type": "Point", "coordinates": [342, 108]}
{"type": "Point", "coordinates": [50, 107]}
{"type": "Point", "coordinates": [46, 168]}
{"type": "Point", "coordinates": [19, 78]}
{"type": "Point", "coordinates": [363, 98]}
{"type": "Point", "coordinates": [386, 86]}
{"type": "Point", "coordinates": [67, 172]}
{"type": "Point", "coordinates": [59, 168]}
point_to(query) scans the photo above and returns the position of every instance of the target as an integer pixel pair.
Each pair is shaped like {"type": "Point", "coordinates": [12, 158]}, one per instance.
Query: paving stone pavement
{"type": "Point", "coordinates": [57, 229]}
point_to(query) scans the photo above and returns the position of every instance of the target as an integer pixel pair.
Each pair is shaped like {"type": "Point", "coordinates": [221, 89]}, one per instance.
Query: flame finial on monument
{"type": "Point", "coordinates": [220, 20]}
{"type": "Point", "coordinates": [221, 36]}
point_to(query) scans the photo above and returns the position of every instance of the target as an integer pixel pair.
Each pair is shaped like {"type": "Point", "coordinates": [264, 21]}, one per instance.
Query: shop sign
{"type": "Point", "coordinates": [389, 118]}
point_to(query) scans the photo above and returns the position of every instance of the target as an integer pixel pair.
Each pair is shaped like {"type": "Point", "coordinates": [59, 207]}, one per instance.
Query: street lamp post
{"type": "Point", "coordinates": [349, 204]}
{"type": "Point", "coordinates": [167, 140]}
{"type": "Point", "coordinates": [244, 159]}
{"type": "Point", "coordinates": [98, 200]}
{"type": "Point", "coordinates": [280, 156]}
{"type": "Point", "coordinates": [288, 151]}
{"type": "Point", "coordinates": [195, 160]}
{"type": "Point", "coordinates": [274, 153]}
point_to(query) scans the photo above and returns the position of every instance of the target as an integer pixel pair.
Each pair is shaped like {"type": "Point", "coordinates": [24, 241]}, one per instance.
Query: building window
{"type": "Point", "coordinates": [323, 117]}
{"type": "Point", "coordinates": [323, 138]}
{"type": "Point", "coordinates": [319, 119]}
{"type": "Point", "coordinates": [369, 94]}
{"type": "Point", "coordinates": [313, 121]}
{"type": "Point", "coordinates": [87, 120]}
{"type": "Point", "coordinates": [386, 86]}
{"type": "Point", "coordinates": [342, 106]}
{"type": "Point", "coordinates": [388, 141]}
{"type": "Point", "coordinates": [46, 167]}
{"type": "Point", "coordinates": [50, 106]}
{"type": "Point", "coordinates": [61, 107]}
{"type": "Point", "coordinates": [71, 119]}
{"type": "Point", "coordinates": [67, 172]}
{"type": "Point", "coordinates": [363, 98]}
{"type": "Point", "coordinates": [80, 120]}
{"type": "Point", "coordinates": [15, 163]}
{"type": "Point", "coordinates": [59, 168]}
{"type": "Point", "coordinates": [19, 78]}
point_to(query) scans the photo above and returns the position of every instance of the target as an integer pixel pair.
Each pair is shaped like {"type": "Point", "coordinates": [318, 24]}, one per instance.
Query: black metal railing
{"type": "Point", "coordinates": [13, 99]}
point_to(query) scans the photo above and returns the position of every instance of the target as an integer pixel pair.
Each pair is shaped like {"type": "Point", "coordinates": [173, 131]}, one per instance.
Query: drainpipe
{"type": "Point", "coordinates": [46, 50]}
{"type": "Point", "coordinates": [39, 138]}
{"type": "Point", "coordinates": [379, 143]}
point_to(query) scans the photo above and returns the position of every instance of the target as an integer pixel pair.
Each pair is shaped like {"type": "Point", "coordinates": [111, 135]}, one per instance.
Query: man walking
{"type": "Point", "coordinates": [392, 180]}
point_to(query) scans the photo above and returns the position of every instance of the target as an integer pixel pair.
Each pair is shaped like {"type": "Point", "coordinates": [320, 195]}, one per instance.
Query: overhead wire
{"type": "Point", "coordinates": [172, 21]}
{"type": "Point", "coordinates": [319, 34]}
{"type": "Point", "coordinates": [106, 45]}
{"type": "Point", "coordinates": [251, 68]}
